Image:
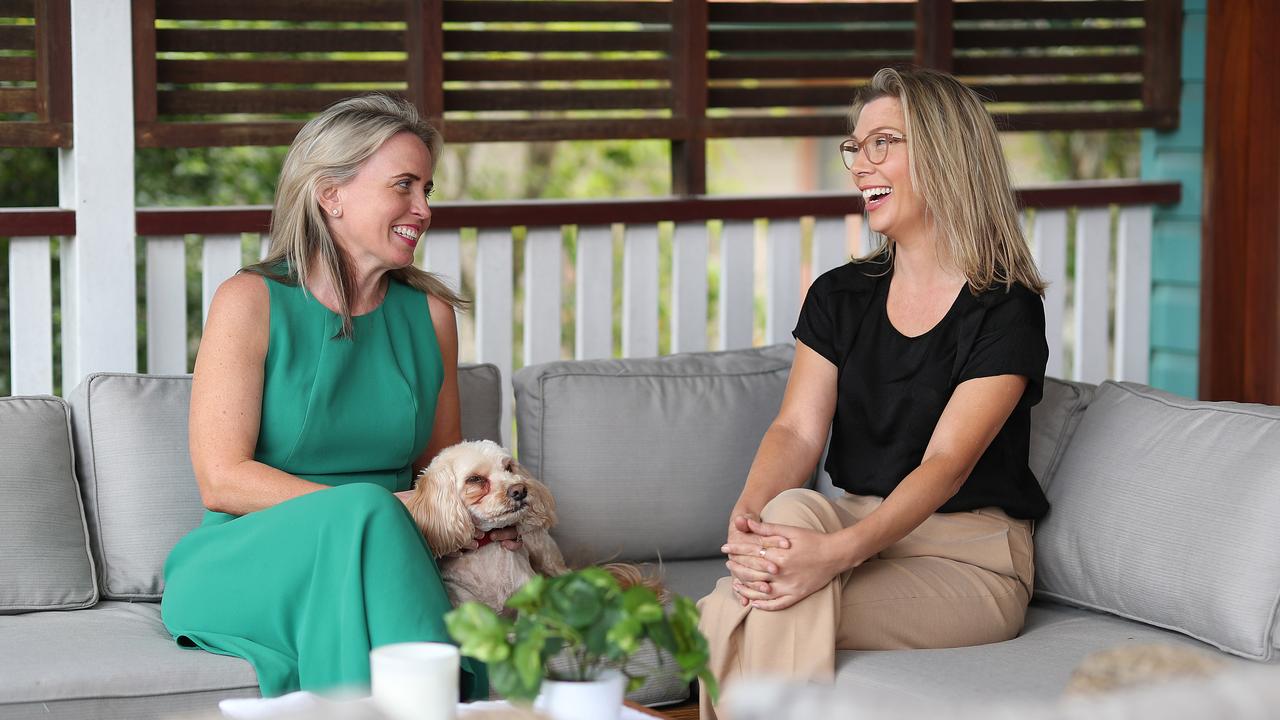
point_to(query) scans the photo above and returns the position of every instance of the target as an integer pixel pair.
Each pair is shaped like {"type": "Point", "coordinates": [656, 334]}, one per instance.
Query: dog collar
{"type": "Point", "coordinates": [487, 539]}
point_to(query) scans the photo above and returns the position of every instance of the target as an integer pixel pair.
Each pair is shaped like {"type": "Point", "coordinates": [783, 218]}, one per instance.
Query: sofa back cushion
{"type": "Point", "coordinates": [647, 456]}
{"type": "Point", "coordinates": [1164, 511]}
{"type": "Point", "coordinates": [45, 563]}
{"type": "Point", "coordinates": [135, 468]}
{"type": "Point", "coordinates": [135, 473]}
{"type": "Point", "coordinates": [1053, 420]}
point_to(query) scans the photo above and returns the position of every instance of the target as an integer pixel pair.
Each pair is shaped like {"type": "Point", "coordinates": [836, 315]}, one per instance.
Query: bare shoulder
{"type": "Point", "coordinates": [240, 313]}
{"type": "Point", "coordinates": [243, 293]}
{"type": "Point", "coordinates": [442, 315]}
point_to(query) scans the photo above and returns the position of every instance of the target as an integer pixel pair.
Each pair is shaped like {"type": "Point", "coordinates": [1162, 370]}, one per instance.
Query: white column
{"type": "Point", "coordinates": [99, 319]}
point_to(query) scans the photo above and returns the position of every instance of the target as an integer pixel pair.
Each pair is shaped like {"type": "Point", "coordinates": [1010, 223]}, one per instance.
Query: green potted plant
{"type": "Point", "coordinates": [595, 622]}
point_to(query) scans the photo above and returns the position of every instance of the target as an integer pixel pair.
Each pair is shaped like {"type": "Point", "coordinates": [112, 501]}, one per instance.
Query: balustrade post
{"type": "Point", "coordinates": [99, 314]}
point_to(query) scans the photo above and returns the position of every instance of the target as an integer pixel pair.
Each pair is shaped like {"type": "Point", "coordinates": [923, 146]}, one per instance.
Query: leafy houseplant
{"type": "Point", "coordinates": [587, 615]}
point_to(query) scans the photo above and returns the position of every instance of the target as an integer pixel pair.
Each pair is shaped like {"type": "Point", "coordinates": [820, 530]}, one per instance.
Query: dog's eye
{"type": "Point", "coordinates": [475, 479]}
{"type": "Point", "coordinates": [509, 467]}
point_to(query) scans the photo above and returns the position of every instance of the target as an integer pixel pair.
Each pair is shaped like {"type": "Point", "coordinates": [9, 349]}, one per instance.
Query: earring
{"type": "Point", "coordinates": [336, 212]}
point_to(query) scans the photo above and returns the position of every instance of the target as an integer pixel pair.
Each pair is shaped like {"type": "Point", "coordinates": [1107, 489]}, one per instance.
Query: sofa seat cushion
{"type": "Point", "coordinates": [647, 456]}
{"type": "Point", "coordinates": [1164, 511]}
{"type": "Point", "coordinates": [1035, 665]}
{"type": "Point", "coordinates": [694, 579]}
{"type": "Point", "coordinates": [114, 655]}
{"type": "Point", "coordinates": [45, 562]}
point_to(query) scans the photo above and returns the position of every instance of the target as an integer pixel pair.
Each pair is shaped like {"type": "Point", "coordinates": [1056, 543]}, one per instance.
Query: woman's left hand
{"type": "Point", "coordinates": [811, 561]}
{"type": "Point", "coordinates": [508, 536]}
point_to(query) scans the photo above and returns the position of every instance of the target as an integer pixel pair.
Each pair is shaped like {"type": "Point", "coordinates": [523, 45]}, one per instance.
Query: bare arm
{"type": "Point", "coordinates": [226, 404]}
{"type": "Point", "coordinates": [972, 418]}
{"type": "Point", "coordinates": [446, 429]}
{"type": "Point", "coordinates": [793, 443]}
{"type": "Point", "coordinates": [787, 454]}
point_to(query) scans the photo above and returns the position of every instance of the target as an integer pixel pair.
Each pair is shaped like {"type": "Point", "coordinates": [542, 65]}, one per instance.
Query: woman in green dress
{"type": "Point", "coordinates": [326, 379]}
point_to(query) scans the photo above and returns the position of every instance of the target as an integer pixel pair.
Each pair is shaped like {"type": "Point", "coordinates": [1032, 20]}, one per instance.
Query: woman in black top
{"type": "Point", "coordinates": [923, 361]}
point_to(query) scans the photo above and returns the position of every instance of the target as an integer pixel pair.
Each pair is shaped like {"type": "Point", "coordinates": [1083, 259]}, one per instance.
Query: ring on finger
{"type": "Point", "coordinates": [762, 552]}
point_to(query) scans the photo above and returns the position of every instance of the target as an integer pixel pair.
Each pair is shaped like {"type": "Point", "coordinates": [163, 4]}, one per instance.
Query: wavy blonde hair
{"type": "Point", "coordinates": [957, 165]}
{"type": "Point", "coordinates": [330, 150]}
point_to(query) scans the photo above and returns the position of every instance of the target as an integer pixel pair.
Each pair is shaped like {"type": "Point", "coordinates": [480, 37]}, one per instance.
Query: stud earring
{"type": "Point", "coordinates": [336, 212]}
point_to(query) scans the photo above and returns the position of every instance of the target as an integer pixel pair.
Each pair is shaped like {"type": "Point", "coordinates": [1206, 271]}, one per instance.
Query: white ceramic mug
{"type": "Point", "coordinates": [415, 680]}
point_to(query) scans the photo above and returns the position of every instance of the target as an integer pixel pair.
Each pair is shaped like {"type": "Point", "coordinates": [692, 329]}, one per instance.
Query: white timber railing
{"type": "Point", "coordinates": [627, 278]}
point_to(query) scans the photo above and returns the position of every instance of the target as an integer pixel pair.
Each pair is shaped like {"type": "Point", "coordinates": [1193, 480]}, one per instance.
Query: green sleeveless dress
{"type": "Point", "coordinates": [303, 590]}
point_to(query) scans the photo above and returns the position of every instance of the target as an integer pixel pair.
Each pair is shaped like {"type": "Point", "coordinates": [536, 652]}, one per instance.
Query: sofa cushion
{"type": "Point", "coordinates": [1035, 665]}
{"type": "Point", "coordinates": [480, 394]}
{"type": "Point", "coordinates": [135, 467]}
{"type": "Point", "coordinates": [114, 660]}
{"type": "Point", "coordinates": [1053, 421]}
{"type": "Point", "coordinates": [135, 471]}
{"type": "Point", "coordinates": [1164, 511]}
{"type": "Point", "coordinates": [46, 563]}
{"type": "Point", "coordinates": [647, 456]}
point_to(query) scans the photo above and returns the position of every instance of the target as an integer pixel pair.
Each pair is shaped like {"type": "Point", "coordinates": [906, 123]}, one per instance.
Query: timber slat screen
{"type": "Point", "coordinates": [35, 73]}
{"type": "Point", "coordinates": [249, 72]}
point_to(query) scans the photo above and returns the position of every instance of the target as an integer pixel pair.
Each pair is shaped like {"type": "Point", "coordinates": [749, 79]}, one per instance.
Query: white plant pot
{"type": "Point", "coordinates": [582, 700]}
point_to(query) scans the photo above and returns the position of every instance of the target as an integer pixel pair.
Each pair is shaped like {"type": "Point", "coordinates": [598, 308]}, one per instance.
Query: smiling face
{"type": "Point", "coordinates": [382, 212]}
{"type": "Point", "coordinates": [893, 207]}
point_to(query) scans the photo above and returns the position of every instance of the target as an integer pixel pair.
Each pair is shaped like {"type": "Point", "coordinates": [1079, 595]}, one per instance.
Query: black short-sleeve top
{"type": "Point", "coordinates": [891, 388]}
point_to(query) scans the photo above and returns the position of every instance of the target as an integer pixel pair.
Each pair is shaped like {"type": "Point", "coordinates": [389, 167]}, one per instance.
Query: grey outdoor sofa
{"type": "Point", "coordinates": [1163, 528]}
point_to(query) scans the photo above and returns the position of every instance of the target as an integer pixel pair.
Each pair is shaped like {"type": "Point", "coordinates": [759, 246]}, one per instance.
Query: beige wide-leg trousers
{"type": "Point", "coordinates": [959, 579]}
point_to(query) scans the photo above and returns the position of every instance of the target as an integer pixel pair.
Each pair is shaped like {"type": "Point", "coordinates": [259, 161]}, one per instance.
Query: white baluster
{"type": "Point", "coordinates": [220, 260]}
{"type": "Point", "coordinates": [1133, 295]}
{"type": "Point", "coordinates": [737, 284]}
{"type": "Point", "coordinates": [689, 288]}
{"type": "Point", "coordinates": [542, 258]}
{"type": "Point", "coordinates": [640, 292]}
{"type": "Point", "coordinates": [1093, 246]}
{"type": "Point", "coordinates": [830, 244]}
{"type": "Point", "coordinates": [30, 316]}
{"type": "Point", "coordinates": [593, 331]}
{"type": "Point", "coordinates": [167, 304]}
{"type": "Point", "coordinates": [442, 256]}
{"type": "Point", "coordinates": [494, 311]}
{"type": "Point", "coordinates": [782, 305]}
{"type": "Point", "coordinates": [1050, 236]}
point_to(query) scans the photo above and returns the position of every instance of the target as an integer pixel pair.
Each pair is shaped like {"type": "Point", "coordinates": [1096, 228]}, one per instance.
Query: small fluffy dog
{"type": "Point", "coordinates": [478, 486]}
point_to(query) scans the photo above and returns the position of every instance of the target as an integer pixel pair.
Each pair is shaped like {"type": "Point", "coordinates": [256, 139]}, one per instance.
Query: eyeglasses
{"type": "Point", "coordinates": [875, 147]}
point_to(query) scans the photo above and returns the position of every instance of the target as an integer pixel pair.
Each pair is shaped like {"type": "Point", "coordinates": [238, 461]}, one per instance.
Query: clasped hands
{"type": "Point", "coordinates": [776, 566]}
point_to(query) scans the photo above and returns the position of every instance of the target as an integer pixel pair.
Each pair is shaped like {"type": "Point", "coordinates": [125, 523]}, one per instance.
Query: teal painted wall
{"type": "Point", "coordinates": [1175, 256]}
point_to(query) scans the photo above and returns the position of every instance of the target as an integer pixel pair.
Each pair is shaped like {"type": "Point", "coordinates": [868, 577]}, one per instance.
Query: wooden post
{"type": "Point", "coordinates": [689, 95]}
{"type": "Point", "coordinates": [1240, 268]}
{"type": "Point", "coordinates": [1162, 61]}
{"type": "Point", "coordinates": [935, 34]}
{"type": "Point", "coordinates": [53, 64]}
{"type": "Point", "coordinates": [424, 40]}
{"type": "Point", "coordinates": [99, 297]}
{"type": "Point", "coordinates": [144, 62]}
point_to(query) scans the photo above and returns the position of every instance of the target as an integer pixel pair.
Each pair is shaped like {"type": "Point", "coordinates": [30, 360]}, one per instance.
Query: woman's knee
{"type": "Point", "coordinates": [800, 507]}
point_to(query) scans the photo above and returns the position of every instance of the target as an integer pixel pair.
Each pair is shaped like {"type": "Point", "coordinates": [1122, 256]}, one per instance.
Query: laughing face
{"type": "Point", "coordinates": [893, 207]}
{"type": "Point", "coordinates": [382, 211]}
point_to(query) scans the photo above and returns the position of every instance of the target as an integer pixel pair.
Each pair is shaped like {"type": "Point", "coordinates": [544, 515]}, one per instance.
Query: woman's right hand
{"type": "Point", "coordinates": [745, 562]}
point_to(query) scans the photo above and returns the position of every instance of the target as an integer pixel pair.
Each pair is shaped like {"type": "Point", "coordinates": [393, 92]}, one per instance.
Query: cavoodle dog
{"type": "Point", "coordinates": [478, 486]}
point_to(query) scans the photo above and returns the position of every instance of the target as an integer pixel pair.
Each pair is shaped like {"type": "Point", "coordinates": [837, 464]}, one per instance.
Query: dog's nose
{"type": "Point", "coordinates": [518, 492]}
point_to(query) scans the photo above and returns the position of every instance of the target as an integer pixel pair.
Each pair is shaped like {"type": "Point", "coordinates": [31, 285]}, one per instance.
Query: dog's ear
{"type": "Point", "coordinates": [438, 510]}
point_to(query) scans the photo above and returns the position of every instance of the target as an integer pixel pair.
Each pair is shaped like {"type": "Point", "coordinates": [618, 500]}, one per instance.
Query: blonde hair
{"type": "Point", "coordinates": [330, 150]}
{"type": "Point", "coordinates": [957, 166]}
